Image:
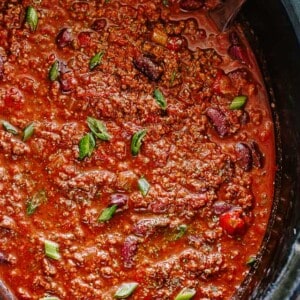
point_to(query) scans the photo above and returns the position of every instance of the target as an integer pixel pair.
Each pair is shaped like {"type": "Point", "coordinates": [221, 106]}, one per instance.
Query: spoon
{"type": "Point", "coordinates": [225, 13]}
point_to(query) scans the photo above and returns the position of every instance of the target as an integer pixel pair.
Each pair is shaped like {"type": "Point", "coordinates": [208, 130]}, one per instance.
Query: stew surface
{"type": "Point", "coordinates": [136, 151]}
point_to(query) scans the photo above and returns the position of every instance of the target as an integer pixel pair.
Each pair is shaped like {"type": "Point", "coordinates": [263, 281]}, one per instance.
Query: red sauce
{"type": "Point", "coordinates": [169, 182]}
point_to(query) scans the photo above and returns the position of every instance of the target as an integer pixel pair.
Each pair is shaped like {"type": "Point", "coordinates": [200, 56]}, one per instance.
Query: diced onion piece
{"type": "Point", "coordinates": [136, 141]}
{"type": "Point", "coordinates": [238, 102]}
{"type": "Point", "coordinates": [125, 290]}
{"type": "Point", "coordinates": [52, 250]}
{"type": "Point", "coordinates": [32, 18]}
{"type": "Point", "coordinates": [186, 294]}
{"type": "Point", "coordinates": [160, 98]}
{"type": "Point", "coordinates": [144, 186]}
{"type": "Point", "coordinates": [159, 37]}
{"type": "Point", "coordinates": [107, 213]}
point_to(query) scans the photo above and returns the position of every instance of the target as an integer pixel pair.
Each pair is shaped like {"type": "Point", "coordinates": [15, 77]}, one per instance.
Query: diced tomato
{"type": "Point", "coordinates": [233, 223]}
{"type": "Point", "coordinates": [84, 39]}
{"type": "Point", "coordinates": [13, 99]}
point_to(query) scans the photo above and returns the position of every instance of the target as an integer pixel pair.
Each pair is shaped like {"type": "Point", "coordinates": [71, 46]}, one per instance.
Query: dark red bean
{"type": "Point", "coordinates": [119, 199]}
{"type": "Point", "coordinates": [64, 38]}
{"type": "Point", "coordinates": [99, 25]}
{"type": "Point", "coordinates": [234, 38]}
{"type": "Point", "coordinates": [244, 156]}
{"type": "Point", "coordinates": [220, 207]}
{"type": "Point", "coordinates": [237, 51]}
{"type": "Point", "coordinates": [148, 67]}
{"type": "Point", "coordinates": [257, 156]}
{"type": "Point", "coordinates": [3, 258]}
{"type": "Point", "coordinates": [129, 250]}
{"type": "Point", "coordinates": [191, 5]}
{"type": "Point", "coordinates": [147, 227]}
{"type": "Point", "coordinates": [218, 120]}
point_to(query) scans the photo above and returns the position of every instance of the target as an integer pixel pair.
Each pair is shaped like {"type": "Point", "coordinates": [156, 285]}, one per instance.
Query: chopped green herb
{"type": "Point", "coordinates": [186, 294]}
{"type": "Point", "coordinates": [144, 186]}
{"type": "Point", "coordinates": [37, 199]}
{"type": "Point", "coordinates": [173, 77]}
{"type": "Point", "coordinates": [238, 102]}
{"type": "Point", "coordinates": [52, 250]}
{"type": "Point", "coordinates": [32, 18]}
{"type": "Point", "coordinates": [98, 129]}
{"type": "Point", "coordinates": [160, 99]}
{"type": "Point", "coordinates": [136, 141]}
{"type": "Point", "coordinates": [54, 71]}
{"type": "Point", "coordinates": [86, 146]}
{"type": "Point", "coordinates": [96, 60]}
{"type": "Point", "coordinates": [182, 229]}
{"type": "Point", "coordinates": [125, 290]}
{"type": "Point", "coordinates": [9, 128]}
{"type": "Point", "coordinates": [28, 132]}
{"type": "Point", "coordinates": [251, 261]}
{"type": "Point", "coordinates": [165, 2]}
{"type": "Point", "coordinates": [49, 298]}
{"type": "Point", "coordinates": [107, 213]}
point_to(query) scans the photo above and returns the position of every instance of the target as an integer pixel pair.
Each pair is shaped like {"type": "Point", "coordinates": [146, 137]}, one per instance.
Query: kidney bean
{"type": "Point", "coordinates": [129, 250]}
{"type": "Point", "coordinates": [147, 227]}
{"type": "Point", "coordinates": [64, 38]}
{"type": "Point", "coordinates": [99, 25]}
{"type": "Point", "coordinates": [244, 156]}
{"type": "Point", "coordinates": [221, 207]}
{"type": "Point", "coordinates": [237, 51]}
{"type": "Point", "coordinates": [257, 156]}
{"type": "Point", "coordinates": [218, 120]}
{"type": "Point", "coordinates": [148, 67]}
{"type": "Point", "coordinates": [191, 5]}
{"type": "Point", "coordinates": [119, 199]}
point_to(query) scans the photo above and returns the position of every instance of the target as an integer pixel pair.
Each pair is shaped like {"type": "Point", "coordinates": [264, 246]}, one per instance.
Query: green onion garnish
{"type": "Point", "coordinates": [52, 250]}
{"type": "Point", "coordinates": [9, 128]}
{"type": "Point", "coordinates": [238, 102]}
{"type": "Point", "coordinates": [107, 213]}
{"type": "Point", "coordinates": [98, 129]}
{"type": "Point", "coordinates": [160, 99]}
{"type": "Point", "coordinates": [144, 186]}
{"type": "Point", "coordinates": [96, 60]}
{"type": "Point", "coordinates": [37, 199]}
{"type": "Point", "coordinates": [136, 141]}
{"type": "Point", "coordinates": [182, 229]}
{"type": "Point", "coordinates": [86, 146]}
{"type": "Point", "coordinates": [54, 71]}
{"type": "Point", "coordinates": [186, 294]}
{"type": "Point", "coordinates": [32, 18]}
{"type": "Point", "coordinates": [251, 261]}
{"type": "Point", "coordinates": [28, 132]}
{"type": "Point", "coordinates": [125, 290]}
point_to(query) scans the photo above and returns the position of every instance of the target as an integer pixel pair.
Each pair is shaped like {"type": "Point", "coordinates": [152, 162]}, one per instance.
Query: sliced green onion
{"type": "Point", "coordinates": [125, 290]}
{"type": "Point", "coordinates": [86, 146]}
{"type": "Point", "coordinates": [160, 99]}
{"type": "Point", "coordinates": [107, 213]}
{"type": "Point", "coordinates": [96, 60]}
{"type": "Point", "coordinates": [32, 18]}
{"type": "Point", "coordinates": [52, 250]}
{"type": "Point", "coordinates": [136, 141]}
{"type": "Point", "coordinates": [49, 298]}
{"type": "Point", "coordinates": [182, 229]}
{"type": "Point", "coordinates": [173, 77]}
{"type": "Point", "coordinates": [9, 128]}
{"type": "Point", "coordinates": [144, 186]}
{"type": "Point", "coordinates": [186, 294]}
{"type": "Point", "coordinates": [28, 132]}
{"type": "Point", "coordinates": [54, 71]}
{"type": "Point", "coordinates": [238, 102]}
{"type": "Point", "coordinates": [251, 261]}
{"type": "Point", "coordinates": [98, 129]}
{"type": "Point", "coordinates": [37, 199]}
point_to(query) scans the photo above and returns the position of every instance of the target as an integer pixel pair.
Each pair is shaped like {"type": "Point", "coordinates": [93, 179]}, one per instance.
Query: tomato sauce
{"type": "Point", "coordinates": [136, 151]}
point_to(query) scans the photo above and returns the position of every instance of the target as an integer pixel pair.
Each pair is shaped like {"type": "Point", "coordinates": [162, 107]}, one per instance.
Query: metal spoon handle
{"type": "Point", "coordinates": [224, 14]}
